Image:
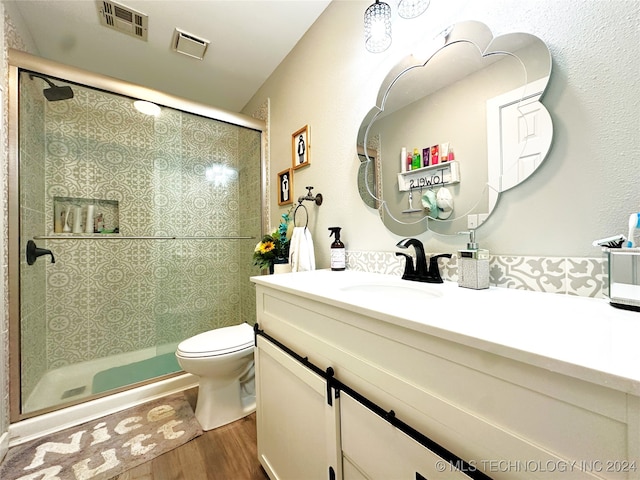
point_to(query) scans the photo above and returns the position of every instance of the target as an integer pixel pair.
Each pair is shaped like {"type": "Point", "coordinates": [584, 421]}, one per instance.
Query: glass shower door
{"type": "Point", "coordinates": [151, 221]}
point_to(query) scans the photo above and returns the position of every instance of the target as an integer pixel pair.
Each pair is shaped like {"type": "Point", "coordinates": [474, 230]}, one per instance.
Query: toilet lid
{"type": "Point", "coordinates": [218, 342]}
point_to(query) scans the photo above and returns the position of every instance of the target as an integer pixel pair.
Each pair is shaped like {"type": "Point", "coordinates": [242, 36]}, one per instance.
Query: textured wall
{"type": "Point", "coordinates": [584, 190]}
{"type": "Point", "coordinates": [108, 296]}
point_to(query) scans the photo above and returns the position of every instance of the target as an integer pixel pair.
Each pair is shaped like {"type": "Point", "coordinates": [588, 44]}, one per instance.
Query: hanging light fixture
{"type": "Point", "coordinates": [412, 8]}
{"type": "Point", "coordinates": [377, 27]}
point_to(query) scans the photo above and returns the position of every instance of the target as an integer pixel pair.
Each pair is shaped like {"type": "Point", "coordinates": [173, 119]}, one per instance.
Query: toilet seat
{"type": "Point", "coordinates": [220, 341]}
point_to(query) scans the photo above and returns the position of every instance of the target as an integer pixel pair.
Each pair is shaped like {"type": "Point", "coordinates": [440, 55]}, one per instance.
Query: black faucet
{"type": "Point", "coordinates": [421, 270]}
{"type": "Point", "coordinates": [409, 271]}
{"type": "Point", "coordinates": [421, 273]}
{"type": "Point", "coordinates": [34, 252]}
{"type": "Point", "coordinates": [434, 268]}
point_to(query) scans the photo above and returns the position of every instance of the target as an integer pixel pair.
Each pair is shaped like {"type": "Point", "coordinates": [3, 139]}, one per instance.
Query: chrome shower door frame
{"type": "Point", "coordinates": [21, 61]}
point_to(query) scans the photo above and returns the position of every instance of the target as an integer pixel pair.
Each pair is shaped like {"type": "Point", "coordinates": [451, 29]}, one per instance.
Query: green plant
{"type": "Point", "coordinates": [275, 245]}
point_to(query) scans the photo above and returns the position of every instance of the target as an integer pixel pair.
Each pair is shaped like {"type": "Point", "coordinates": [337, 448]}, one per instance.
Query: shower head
{"type": "Point", "coordinates": [54, 92]}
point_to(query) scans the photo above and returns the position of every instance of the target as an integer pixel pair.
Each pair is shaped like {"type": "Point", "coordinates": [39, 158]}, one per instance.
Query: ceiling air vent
{"type": "Point", "coordinates": [123, 19]}
{"type": "Point", "coordinates": [189, 44]}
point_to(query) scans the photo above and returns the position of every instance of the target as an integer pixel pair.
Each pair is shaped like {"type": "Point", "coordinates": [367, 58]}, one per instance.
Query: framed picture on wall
{"type": "Point", "coordinates": [300, 147]}
{"type": "Point", "coordinates": [285, 187]}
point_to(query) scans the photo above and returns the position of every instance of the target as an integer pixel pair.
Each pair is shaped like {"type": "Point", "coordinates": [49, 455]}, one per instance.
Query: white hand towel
{"type": "Point", "coordinates": [301, 255]}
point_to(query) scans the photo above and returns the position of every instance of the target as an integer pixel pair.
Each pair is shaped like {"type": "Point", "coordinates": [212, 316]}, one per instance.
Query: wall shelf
{"type": "Point", "coordinates": [432, 176]}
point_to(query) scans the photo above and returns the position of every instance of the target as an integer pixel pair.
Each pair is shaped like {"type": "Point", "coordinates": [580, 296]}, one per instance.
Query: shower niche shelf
{"type": "Point", "coordinates": [100, 215]}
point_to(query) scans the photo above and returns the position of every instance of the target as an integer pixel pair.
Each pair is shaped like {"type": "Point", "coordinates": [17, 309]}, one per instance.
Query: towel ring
{"type": "Point", "coordinates": [306, 213]}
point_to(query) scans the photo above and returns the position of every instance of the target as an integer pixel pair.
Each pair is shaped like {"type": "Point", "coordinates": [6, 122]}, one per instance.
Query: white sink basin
{"type": "Point", "coordinates": [404, 292]}
{"type": "Point", "coordinates": [387, 294]}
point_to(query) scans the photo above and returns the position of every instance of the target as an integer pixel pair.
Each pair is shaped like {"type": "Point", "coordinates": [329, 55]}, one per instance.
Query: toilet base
{"type": "Point", "coordinates": [219, 405]}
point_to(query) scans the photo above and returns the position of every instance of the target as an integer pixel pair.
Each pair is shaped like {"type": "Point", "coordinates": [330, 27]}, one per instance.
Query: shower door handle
{"type": "Point", "coordinates": [34, 252]}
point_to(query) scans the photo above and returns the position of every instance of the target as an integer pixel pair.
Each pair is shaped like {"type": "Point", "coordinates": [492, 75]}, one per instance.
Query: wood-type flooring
{"type": "Point", "coordinates": [225, 453]}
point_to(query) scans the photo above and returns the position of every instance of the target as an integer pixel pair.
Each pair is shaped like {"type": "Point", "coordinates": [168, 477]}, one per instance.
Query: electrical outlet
{"type": "Point", "coordinates": [482, 217]}
{"type": "Point", "coordinates": [472, 221]}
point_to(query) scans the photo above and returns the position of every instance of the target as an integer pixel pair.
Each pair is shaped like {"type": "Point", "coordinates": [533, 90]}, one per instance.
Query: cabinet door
{"type": "Point", "coordinates": [374, 449]}
{"type": "Point", "coordinates": [297, 428]}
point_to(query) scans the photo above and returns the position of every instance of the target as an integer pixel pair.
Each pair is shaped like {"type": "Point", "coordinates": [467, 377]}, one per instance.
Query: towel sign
{"type": "Point", "coordinates": [431, 176]}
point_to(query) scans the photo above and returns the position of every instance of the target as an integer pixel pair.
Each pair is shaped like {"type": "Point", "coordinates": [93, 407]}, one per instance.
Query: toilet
{"type": "Point", "coordinates": [223, 359]}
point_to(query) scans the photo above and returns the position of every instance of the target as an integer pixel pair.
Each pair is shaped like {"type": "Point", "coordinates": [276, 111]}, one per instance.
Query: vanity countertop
{"type": "Point", "coordinates": [585, 338]}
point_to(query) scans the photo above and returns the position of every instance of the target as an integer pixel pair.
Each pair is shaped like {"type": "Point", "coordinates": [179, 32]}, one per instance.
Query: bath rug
{"type": "Point", "coordinates": [105, 447]}
{"type": "Point", "coordinates": [117, 377]}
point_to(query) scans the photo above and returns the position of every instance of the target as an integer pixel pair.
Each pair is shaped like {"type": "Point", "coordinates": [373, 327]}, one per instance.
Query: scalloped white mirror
{"type": "Point", "coordinates": [477, 94]}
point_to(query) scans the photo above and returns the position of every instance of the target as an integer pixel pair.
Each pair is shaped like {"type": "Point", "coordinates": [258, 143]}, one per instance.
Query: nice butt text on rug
{"type": "Point", "coordinates": [99, 449]}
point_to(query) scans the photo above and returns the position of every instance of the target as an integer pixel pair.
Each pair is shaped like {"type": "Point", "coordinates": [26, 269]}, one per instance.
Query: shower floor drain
{"type": "Point", "coordinates": [73, 392]}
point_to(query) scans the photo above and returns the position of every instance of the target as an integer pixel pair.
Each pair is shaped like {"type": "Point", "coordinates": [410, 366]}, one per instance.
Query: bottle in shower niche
{"type": "Point", "coordinates": [88, 224]}
{"type": "Point", "coordinates": [58, 217]}
{"type": "Point", "coordinates": [66, 225]}
{"type": "Point", "coordinates": [98, 225]}
{"type": "Point", "coordinates": [77, 219]}
{"type": "Point", "coordinates": [338, 252]}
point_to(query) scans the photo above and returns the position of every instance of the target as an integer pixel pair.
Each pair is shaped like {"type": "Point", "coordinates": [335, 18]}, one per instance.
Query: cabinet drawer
{"type": "Point", "coordinates": [374, 449]}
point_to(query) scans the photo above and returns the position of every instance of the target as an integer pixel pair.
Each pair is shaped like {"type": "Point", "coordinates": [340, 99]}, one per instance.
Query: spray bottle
{"type": "Point", "coordinates": [634, 222]}
{"type": "Point", "coordinates": [338, 252]}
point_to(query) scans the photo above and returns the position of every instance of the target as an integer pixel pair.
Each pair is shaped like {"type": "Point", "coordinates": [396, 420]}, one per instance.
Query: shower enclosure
{"type": "Point", "coordinates": [142, 229]}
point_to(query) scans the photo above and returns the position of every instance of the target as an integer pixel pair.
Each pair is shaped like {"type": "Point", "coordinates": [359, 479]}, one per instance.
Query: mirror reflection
{"type": "Point", "coordinates": [471, 113]}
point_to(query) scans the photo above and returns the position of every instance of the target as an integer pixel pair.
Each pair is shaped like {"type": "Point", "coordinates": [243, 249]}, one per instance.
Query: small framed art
{"type": "Point", "coordinates": [285, 187]}
{"type": "Point", "coordinates": [300, 148]}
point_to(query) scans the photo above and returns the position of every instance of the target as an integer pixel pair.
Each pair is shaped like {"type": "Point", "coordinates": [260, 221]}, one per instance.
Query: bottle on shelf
{"type": "Point", "coordinates": [416, 160]}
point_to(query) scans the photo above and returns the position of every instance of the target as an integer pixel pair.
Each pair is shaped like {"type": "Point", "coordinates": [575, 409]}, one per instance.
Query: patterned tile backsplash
{"type": "Point", "coordinates": [571, 276]}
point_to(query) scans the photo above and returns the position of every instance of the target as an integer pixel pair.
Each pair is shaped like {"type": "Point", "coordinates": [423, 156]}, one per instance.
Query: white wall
{"type": "Point", "coordinates": [586, 188]}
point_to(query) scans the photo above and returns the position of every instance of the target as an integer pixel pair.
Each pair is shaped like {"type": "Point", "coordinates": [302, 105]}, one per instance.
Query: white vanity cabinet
{"type": "Point", "coordinates": [501, 411]}
{"type": "Point", "coordinates": [308, 429]}
{"type": "Point", "coordinates": [297, 429]}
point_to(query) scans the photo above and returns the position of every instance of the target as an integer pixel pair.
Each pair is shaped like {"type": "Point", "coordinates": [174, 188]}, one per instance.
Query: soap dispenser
{"type": "Point", "coordinates": [338, 252]}
{"type": "Point", "coordinates": [473, 266]}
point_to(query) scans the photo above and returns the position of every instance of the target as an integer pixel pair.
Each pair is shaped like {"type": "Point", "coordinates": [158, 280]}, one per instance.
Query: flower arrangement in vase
{"type": "Point", "coordinates": [274, 247]}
